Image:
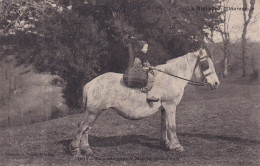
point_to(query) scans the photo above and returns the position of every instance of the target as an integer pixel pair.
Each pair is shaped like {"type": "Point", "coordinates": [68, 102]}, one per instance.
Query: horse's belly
{"type": "Point", "coordinates": [134, 106]}
{"type": "Point", "coordinates": [139, 113]}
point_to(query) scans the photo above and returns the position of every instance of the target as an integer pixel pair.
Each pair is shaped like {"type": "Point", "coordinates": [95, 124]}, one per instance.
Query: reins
{"type": "Point", "coordinates": [190, 81]}
{"type": "Point", "coordinates": [196, 83]}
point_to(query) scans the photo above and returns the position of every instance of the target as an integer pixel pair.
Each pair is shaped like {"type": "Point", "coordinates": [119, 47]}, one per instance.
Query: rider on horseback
{"type": "Point", "coordinates": [141, 48]}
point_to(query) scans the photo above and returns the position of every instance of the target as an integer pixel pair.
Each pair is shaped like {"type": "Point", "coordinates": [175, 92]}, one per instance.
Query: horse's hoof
{"type": "Point", "coordinates": [169, 146]}
{"type": "Point", "coordinates": [177, 148]}
{"type": "Point", "coordinates": [164, 143]}
{"type": "Point", "coordinates": [75, 151]}
{"type": "Point", "coordinates": [87, 151]}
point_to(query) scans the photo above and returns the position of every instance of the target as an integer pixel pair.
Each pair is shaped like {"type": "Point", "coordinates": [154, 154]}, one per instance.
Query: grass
{"type": "Point", "coordinates": [219, 127]}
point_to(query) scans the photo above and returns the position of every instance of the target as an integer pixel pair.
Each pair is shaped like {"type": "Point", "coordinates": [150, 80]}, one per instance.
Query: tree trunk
{"type": "Point", "coordinates": [244, 58]}
{"type": "Point", "coordinates": [211, 37]}
{"type": "Point", "coordinates": [243, 38]}
{"type": "Point", "coordinates": [225, 73]}
{"type": "Point", "coordinates": [226, 43]}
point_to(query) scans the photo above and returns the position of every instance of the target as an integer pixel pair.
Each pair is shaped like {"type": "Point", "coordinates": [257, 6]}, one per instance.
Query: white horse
{"type": "Point", "coordinates": [108, 91]}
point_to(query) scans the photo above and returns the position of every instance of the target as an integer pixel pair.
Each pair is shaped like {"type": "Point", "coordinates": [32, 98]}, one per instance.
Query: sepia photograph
{"type": "Point", "coordinates": [130, 82]}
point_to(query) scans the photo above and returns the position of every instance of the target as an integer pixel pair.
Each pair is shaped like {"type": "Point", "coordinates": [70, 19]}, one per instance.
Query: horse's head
{"type": "Point", "coordinates": [205, 70]}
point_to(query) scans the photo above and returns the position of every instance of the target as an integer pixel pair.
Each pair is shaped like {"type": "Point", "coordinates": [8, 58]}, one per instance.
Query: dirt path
{"type": "Point", "coordinates": [216, 130]}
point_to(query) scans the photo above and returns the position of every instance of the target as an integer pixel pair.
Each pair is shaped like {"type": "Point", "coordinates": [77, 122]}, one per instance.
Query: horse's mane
{"type": "Point", "coordinates": [186, 55]}
{"type": "Point", "coordinates": [180, 62]}
{"type": "Point", "coordinates": [175, 59]}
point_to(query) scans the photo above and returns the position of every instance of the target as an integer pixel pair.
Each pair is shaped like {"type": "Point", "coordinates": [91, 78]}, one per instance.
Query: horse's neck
{"type": "Point", "coordinates": [182, 66]}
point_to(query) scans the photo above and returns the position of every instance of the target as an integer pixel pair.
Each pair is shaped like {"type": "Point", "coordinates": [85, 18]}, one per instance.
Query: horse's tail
{"type": "Point", "coordinates": [84, 99]}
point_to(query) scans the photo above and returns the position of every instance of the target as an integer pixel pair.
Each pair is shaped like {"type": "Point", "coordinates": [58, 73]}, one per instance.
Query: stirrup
{"type": "Point", "coordinates": [152, 99]}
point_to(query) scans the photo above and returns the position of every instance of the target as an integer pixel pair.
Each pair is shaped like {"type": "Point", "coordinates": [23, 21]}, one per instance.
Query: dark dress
{"type": "Point", "coordinates": [139, 63]}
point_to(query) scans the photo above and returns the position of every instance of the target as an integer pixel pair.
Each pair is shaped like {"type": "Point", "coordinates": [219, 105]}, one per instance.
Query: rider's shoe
{"type": "Point", "coordinates": [152, 99]}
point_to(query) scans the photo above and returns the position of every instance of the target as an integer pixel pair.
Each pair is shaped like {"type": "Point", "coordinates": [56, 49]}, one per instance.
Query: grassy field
{"type": "Point", "coordinates": [218, 127]}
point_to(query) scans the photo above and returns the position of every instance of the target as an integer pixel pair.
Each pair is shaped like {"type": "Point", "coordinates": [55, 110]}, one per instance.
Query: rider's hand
{"type": "Point", "coordinates": [146, 64]}
{"type": "Point", "coordinates": [151, 67]}
{"type": "Point", "coordinates": [146, 68]}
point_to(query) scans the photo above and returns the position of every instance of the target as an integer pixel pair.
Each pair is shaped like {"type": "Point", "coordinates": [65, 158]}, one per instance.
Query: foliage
{"type": "Point", "coordinates": [79, 40]}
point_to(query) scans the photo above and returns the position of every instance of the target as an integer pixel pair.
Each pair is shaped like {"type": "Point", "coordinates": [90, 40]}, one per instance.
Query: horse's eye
{"type": "Point", "coordinates": [204, 65]}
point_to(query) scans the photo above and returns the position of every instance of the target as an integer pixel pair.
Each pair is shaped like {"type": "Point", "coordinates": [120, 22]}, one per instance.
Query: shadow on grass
{"type": "Point", "coordinates": [220, 137]}
{"type": "Point", "coordinates": [146, 141]}
{"type": "Point", "coordinates": [96, 141]}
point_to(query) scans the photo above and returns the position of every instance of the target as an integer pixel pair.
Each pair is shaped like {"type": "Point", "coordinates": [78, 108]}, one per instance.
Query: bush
{"type": "Point", "coordinates": [56, 113]}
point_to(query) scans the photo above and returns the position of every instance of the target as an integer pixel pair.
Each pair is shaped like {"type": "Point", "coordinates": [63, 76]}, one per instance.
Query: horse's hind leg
{"type": "Point", "coordinates": [84, 145]}
{"type": "Point", "coordinates": [82, 135]}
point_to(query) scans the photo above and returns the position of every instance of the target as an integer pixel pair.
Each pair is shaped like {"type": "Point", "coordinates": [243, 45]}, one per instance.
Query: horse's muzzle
{"type": "Point", "coordinates": [214, 85]}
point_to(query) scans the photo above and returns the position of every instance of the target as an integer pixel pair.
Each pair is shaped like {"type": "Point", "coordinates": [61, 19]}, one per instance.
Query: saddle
{"type": "Point", "coordinates": [135, 77]}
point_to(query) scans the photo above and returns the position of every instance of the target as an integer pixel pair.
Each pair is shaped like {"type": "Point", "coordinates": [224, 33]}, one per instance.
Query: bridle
{"type": "Point", "coordinates": [201, 62]}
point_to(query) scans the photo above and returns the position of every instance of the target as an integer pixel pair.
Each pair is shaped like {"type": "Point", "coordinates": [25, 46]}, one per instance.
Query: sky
{"type": "Point", "coordinates": [236, 23]}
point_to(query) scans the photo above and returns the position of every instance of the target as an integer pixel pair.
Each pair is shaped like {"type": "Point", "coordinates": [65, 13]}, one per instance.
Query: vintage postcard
{"type": "Point", "coordinates": [129, 82]}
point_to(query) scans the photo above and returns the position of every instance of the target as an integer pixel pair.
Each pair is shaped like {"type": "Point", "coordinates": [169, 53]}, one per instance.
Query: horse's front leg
{"type": "Point", "coordinates": [164, 139]}
{"type": "Point", "coordinates": [170, 110]}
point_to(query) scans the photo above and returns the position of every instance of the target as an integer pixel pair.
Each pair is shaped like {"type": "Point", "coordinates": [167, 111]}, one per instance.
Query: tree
{"type": "Point", "coordinates": [61, 41]}
{"type": "Point", "coordinates": [225, 37]}
{"type": "Point", "coordinates": [79, 40]}
{"type": "Point", "coordinates": [18, 15]}
{"type": "Point", "coordinates": [247, 19]}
